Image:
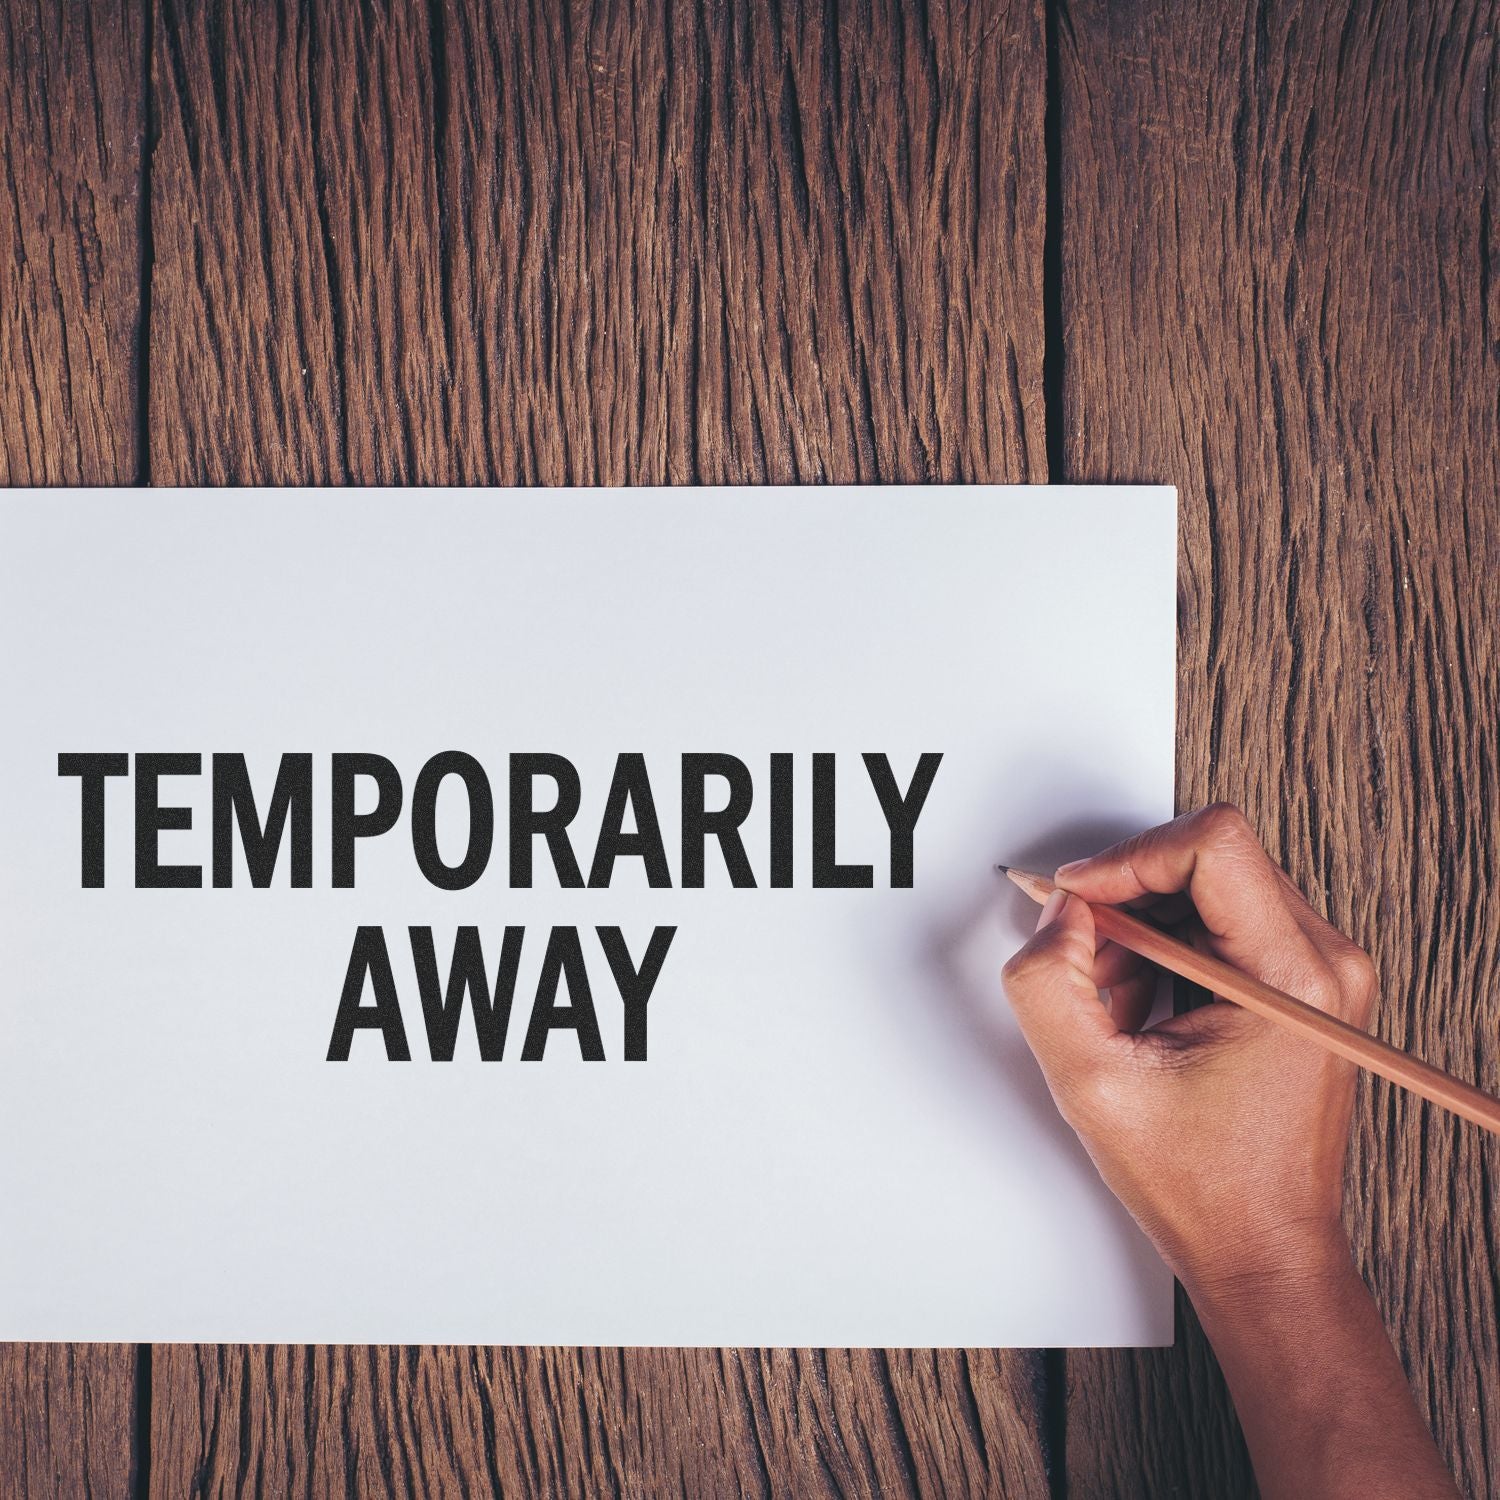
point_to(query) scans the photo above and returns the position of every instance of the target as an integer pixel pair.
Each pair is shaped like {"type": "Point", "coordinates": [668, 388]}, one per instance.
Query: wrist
{"type": "Point", "coordinates": [1320, 1393]}
{"type": "Point", "coordinates": [1298, 1263]}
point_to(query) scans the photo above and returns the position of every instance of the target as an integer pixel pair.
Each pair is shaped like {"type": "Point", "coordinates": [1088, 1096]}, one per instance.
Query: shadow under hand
{"type": "Point", "coordinates": [964, 953]}
{"type": "Point", "coordinates": [961, 957]}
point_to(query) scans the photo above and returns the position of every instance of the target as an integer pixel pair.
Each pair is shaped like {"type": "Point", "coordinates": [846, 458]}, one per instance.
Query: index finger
{"type": "Point", "coordinates": [1240, 895]}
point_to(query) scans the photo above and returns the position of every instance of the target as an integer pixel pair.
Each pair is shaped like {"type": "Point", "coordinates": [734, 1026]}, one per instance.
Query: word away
{"type": "Point", "coordinates": [563, 965]}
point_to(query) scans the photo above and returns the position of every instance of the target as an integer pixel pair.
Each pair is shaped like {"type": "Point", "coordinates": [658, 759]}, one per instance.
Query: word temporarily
{"type": "Point", "coordinates": [629, 829]}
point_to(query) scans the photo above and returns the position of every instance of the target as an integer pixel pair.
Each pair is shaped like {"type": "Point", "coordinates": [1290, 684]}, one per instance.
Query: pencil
{"type": "Point", "coordinates": [1339, 1037]}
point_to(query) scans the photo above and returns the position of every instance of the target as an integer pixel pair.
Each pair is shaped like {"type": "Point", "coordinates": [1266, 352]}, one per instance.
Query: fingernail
{"type": "Point", "coordinates": [1050, 908]}
{"type": "Point", "coordinates": [1071, 868]}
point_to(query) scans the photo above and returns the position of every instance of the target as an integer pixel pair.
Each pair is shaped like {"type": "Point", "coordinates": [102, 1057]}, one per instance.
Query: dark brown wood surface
{"type": "Point", "coordinates": [1247, 249]}
{"type": "Point", "coordinates": [73, 115]}
{"type": "Point", "coordinates": [1280, 292]}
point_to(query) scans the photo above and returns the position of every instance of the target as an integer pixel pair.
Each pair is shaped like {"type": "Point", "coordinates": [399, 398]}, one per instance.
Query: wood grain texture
{"type": "Point", "coordinates": [68, 1421]}
{"type": "Point", "coordinates": [1280, 292]}
{"type": "Point", "coordinates": [606, 244]}
{"type": "Point", "coordinates": [596, 244]}
{"type": "Point", "coordinates": [548, 1422]}
{"type": "Point", "coordinates": [71, 122]}
{"type": "Point", "coordinates": [72, 119]}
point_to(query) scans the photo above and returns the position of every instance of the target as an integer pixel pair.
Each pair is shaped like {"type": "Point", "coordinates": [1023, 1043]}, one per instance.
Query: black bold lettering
{"type": "Point", "coordinates": [631, 788]}
{"type": "Point", "coordinates": [563, 960]}
{"type": "Point", "coordinates": [91, 769]}
{"type": "Point", "coordinates": [526, 821]}
{"type": "Point", "coordinates": [441, 1008]}
{"type": "Point", "coordinates": [781, 820]}
{"type": "Point", "coordinates": [151, 819]}
{"type": "Point", "coordinates": [424, 820]}
{"type": "Point", "coordinates": [828, 873]}
{"type": "Point", "coordinates": [349, 825]}
{"type": "Point", "coordinates": [901, 812]}
{"type": "Point", "coordinates": [635, 985]}
{"type": "Point", "coordinates": [698, 823]}
{"type": "Point", "coordinates": [234, 802]}
{"type": "Point", "coordinates": [369, 957]}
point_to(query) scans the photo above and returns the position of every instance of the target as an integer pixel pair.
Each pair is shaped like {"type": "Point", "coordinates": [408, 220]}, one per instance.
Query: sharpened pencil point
{"type": "Point", "coordinates": [1003, 869]}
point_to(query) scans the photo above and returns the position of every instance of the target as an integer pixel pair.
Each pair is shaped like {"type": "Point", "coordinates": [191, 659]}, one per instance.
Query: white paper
{"type": "Point", "coordinates": [837, 1136]}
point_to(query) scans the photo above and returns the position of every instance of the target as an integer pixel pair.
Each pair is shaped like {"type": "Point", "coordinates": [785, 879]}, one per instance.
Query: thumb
{"type": "Point", "coordinates": [1051, 988]}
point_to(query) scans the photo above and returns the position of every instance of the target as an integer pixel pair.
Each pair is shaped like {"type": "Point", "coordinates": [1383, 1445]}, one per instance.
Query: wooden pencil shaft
{"type": "Point", "coordinates": [1347, 1041]}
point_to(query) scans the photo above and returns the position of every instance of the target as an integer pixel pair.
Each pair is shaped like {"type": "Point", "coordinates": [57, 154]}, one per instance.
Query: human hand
{"type": "Point", "coordinates": [1221, 1133]}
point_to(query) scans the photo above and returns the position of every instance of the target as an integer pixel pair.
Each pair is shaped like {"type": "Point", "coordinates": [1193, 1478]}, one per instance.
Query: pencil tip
{"type": "Point", "coordinates": [1003, 869]}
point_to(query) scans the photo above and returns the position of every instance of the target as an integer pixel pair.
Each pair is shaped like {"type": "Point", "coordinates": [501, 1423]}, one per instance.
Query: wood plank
{"type": "Point", "coordinates": [433, 1421]}
{"type": "Point", "coordinates": [1280, 293]}
{"type": "Point", "coordinates": [244, 373]}
{"type": "Point", "coordinates": [72, 116]}
{"type": "Point", "coordinates": [429, 246]}
{"type": "Point", "coordinates": [772, 250]}
{"type": "Point", "coordinates": [599, 245]}
{"type": "Point", "coordinates": [68, 1420]}
{"type": "Point", "coordinates": [72, 120]}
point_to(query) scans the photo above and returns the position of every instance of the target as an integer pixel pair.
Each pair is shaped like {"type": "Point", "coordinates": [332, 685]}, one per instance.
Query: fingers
{"type": "Point", "coordinates": [1114, 964]}
{"type": "Point", "coordinates": [1131, 1000]}
{"type": "Point", "coordinates": [1051, 988]}
{"type": "Point", "coordinates": [1352, 966]}
{"type": "Point", "coordinates": [1130, 981]}
{"type": "Point", "coordinates": [1242, 898]}
{"type": "Point", "coordinates": [1212, 854]}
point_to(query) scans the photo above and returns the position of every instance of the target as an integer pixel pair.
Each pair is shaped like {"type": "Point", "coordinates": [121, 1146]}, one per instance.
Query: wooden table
{"type": "Point", "coordinates": [1253, 250]}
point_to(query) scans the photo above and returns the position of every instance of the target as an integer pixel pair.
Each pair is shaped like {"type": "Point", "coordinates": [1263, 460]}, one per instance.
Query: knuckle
{"type": "Point", "coordinates": [1226, 824]}
{"type": "Point", "coordinates": [1322, 989]}
{"type": "Point", "coordinates": [1022, 967]}
{"type": "Point", "coordinates": [1356, 974]}
{"type": "Point", "coordinates": [1038, 953]}
{"type": "Point", "coordinates": [1093, 1093]}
